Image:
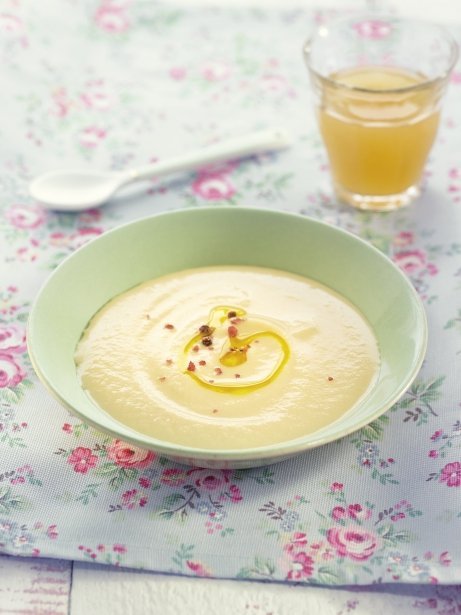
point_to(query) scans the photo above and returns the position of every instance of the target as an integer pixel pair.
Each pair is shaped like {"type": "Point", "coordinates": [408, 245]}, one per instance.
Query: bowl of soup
{"type": "Point", "coordinates": [227, 338]}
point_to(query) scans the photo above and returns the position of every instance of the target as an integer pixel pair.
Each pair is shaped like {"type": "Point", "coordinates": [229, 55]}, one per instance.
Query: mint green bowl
{"type": "Point", "coordinates": [169, 242]}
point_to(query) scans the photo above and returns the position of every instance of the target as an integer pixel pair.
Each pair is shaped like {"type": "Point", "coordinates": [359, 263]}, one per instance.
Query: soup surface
{"type": "Point", "coordinates": [227, 357]}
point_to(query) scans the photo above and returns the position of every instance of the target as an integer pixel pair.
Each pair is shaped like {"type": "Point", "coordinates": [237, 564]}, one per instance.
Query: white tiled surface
{"type": "Point", "coordinates": [51, 587]}
{"type": "Point", "coordinates": [39, 586]}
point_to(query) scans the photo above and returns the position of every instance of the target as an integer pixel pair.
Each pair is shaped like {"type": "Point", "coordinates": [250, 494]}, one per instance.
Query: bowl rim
{"type": "Point", "coordinates": [274, 451]}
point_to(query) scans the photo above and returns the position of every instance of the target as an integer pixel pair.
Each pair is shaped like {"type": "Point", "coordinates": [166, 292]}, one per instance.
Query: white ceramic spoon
{"type": "Point", "coordinates": [74, 190]}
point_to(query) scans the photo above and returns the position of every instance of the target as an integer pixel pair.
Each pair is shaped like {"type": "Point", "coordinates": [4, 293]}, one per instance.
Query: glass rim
{"type": "Point", "coordinates": [452, 60]}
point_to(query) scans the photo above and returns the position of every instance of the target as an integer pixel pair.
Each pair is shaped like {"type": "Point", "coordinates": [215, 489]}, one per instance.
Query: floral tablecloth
{"type": "Point", "coordinates": [117, 84]}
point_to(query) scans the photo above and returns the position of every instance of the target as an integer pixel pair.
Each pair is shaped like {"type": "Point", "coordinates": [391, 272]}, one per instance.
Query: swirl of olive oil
{"type": "Point", "coordinates": [234, 352]}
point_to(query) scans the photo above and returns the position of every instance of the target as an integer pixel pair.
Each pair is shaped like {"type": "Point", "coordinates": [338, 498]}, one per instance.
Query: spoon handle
{"type": "Point", "coordinates": [239, 147]}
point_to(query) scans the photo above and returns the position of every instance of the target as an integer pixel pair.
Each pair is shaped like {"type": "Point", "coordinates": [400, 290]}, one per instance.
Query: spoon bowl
{"type": "Point", "coordinates": [74, 190]}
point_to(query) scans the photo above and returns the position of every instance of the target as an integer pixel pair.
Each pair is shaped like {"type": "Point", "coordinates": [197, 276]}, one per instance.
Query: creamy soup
{"type": "Point", "coordinates": [227, 357]}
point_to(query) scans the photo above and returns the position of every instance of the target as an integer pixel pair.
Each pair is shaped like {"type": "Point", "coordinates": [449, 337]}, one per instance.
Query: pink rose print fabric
{"type": "Point", "coordinates": [129, 456]}
{"type": "Point", "coordinates": [382, 505]}
{"type": "Point", "coordinates": [353, 542]}
{"type": "Point", "coordinates": [213, 187]}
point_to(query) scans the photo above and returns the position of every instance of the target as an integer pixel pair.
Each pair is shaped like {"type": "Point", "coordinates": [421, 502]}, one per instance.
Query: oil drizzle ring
{"type": "Point", "coordinates": [234, 350]}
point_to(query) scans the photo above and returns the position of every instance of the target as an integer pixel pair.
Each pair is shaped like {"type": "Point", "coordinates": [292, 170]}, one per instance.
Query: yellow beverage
{"type": "Point", "coordinates": [378, 125]}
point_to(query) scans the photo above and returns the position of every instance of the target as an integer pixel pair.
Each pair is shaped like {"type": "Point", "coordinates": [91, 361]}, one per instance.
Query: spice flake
{"type": "Point", "coordinates": [232, 331]}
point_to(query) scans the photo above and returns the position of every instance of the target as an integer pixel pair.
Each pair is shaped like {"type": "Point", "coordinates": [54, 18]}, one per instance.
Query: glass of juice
{"type": "Point", "coordinates": [378, 83]}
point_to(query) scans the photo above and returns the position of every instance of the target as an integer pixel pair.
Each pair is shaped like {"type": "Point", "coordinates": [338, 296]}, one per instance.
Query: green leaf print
{"type": "Point", "coordinates": [116, 474]}
{"type": "Point", "coordinates": [375, 430]}
{"type": "Point", "coordinates": [117, 481]}
{"type": "Point", "coordinates": [106, 469]}
{"type": "Point", "coordinates": [328, 576]}
{"type": "Point", "coordinates": [454, 323]}
{"type": "Point", "coordinates": [9, 501]}
{"type": "Point", "coordinates": [261, 568]}
{"type": "Point", "coordinates": [418, 401]}
{"type": "Point", "coordinates": [79, 429]}
{"type": "Point", "coordinates": [13, 395]}
{"type": "Point", "coordinates": [171, 500]}
{"type": "Point", "coordinates": [381, 242]}
{"type": "Point", "coordinates": [391, 537]}
{"type": "Point", "coordinates": [34, 481]}
{"type": "Point", "coordinates": [90, 491]}
{"type": "Point", "coordinates": [383, 478]}
{"type": "Point", "coordinates": [129, 473]}
{"type": "Point", "coordinates": [264, 477]}
{"type": "Point", "coordinates": [9, 396]}
{"type": "Point", "coordinates": [184, 553]}
{"type": "Point", "coordinates": [176, 503]}
{"type": "Point", "coordinates": [16, 441]}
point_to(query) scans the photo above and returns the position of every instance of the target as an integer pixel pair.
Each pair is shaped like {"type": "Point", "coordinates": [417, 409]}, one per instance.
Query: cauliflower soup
{"type": "Point", "coordinates": [227, 357]}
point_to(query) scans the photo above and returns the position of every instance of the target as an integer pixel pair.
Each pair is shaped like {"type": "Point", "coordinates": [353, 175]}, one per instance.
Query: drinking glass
{"type": "Point", "coordinates": [378, 84]}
